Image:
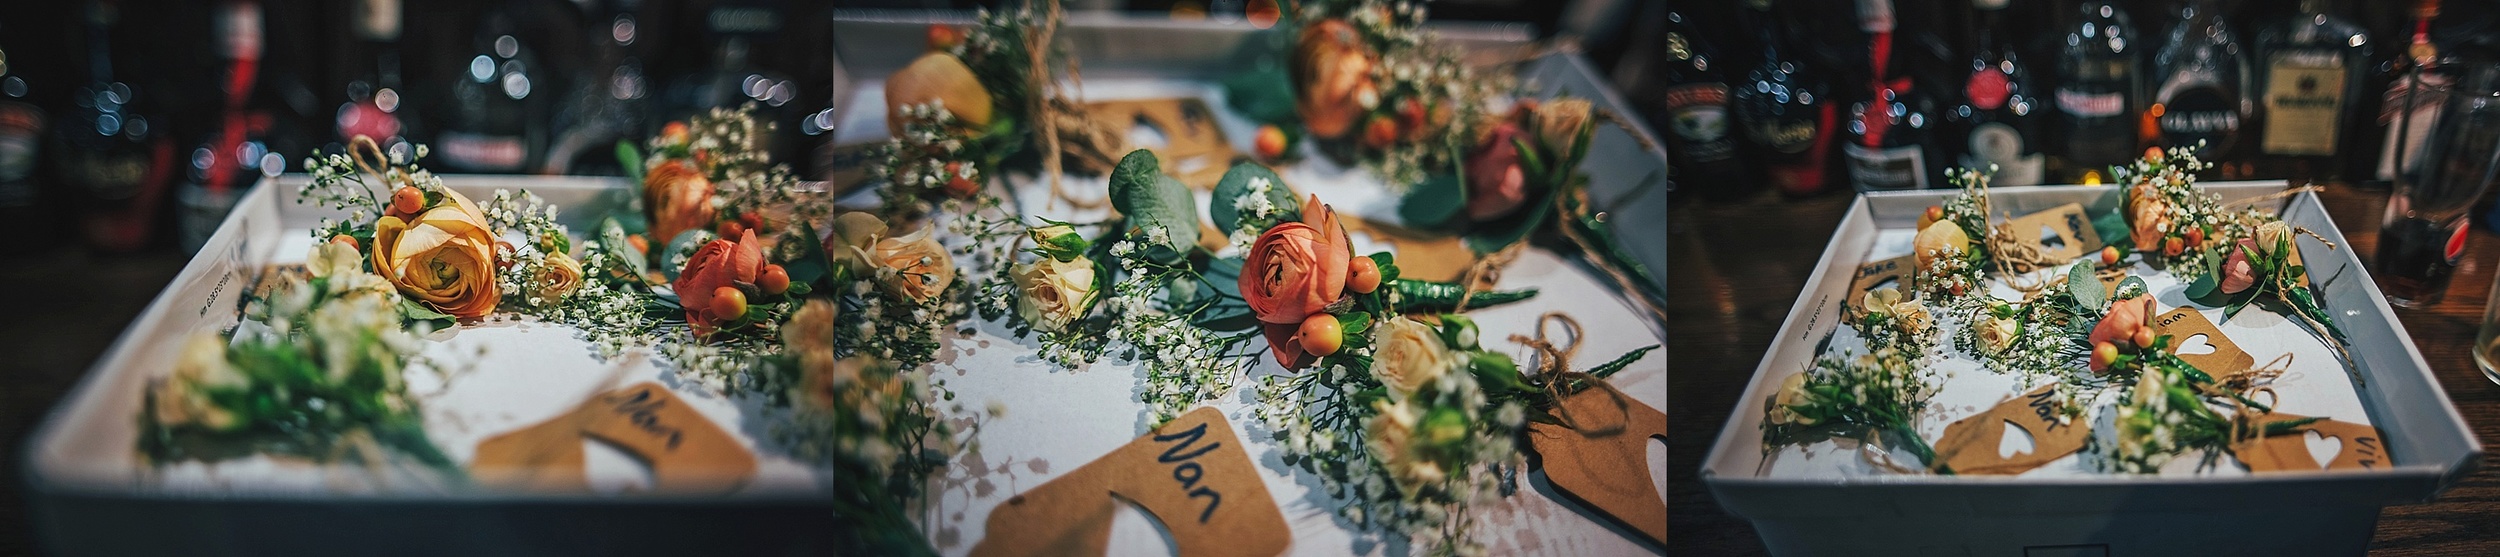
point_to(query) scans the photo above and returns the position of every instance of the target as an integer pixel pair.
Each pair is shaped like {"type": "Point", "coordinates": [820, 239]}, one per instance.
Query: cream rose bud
{"type": "Point", "coordinates": [1409, 355]}
{"type": "Point", "coordinates": [1910, 316]}
{"type": "Point", "coordinates": [2270, 235]}
{"type": "Point", "coordinates": [201, 366]}
{"type": "Point", "coordinates": [1054, 292]}
{"type": "Point", "coordinates": [1998, 334]}
{"type": "Point", "coordinates": [332, 258]}
{"type": "Point", "coordinates": [1058, 240]}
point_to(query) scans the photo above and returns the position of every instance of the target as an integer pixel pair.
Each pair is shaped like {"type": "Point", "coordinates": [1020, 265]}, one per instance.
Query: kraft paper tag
{"type": "Point", "coordinates": [1421, 255]}
{"type": "Point", "coordinates": [687, 453]}
{"type": "Point", "coordinates": [1194, 149]}
{"type": "Point", "coordinates": [2184, 325]}
{"type": "Point", "coordinates": [1193, 474]}
{"type": "Point", "coordinates": [2358, 447]}
{"type": "Point", "coordinates": [2074, 235]}
{"type": "Point", "coordinates": [1973, 445]}
{"type": "Point", "coordinates": [1604, 461]}
{"type": "Point", "coordinates": [1872, 274]}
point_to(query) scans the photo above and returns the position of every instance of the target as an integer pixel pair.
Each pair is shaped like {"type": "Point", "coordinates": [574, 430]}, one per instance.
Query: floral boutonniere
{"type": "Point", "coordinates": [2264, 267]}
{"type": "Point", "coordinates": [1368, 80]}
{"type": "Point", "coordinates": [2170, 220]}
{"type": "Point", "coordinates": [316, 372]}
{"type": "Point", "coordinates": [1875, 397]}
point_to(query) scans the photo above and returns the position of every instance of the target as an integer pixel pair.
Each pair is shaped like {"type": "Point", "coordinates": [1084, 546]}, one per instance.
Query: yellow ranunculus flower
{"type": "Point", "coordinates": [443, 256]}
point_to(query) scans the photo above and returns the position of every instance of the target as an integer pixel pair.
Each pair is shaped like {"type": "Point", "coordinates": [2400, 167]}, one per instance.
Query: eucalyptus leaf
{"type": "Point", "coordinates": [2086, 286]}
{"type": "Point", "coordinates": [811, 263]}
{"type": "Point", "coordinates": [2112, 228]}
{"type": "Point", "coordinates": [670, 262]}
{"type": "Point", "coordinates": [1436, 202]}
{"type": "Point", "coordinates": [1225, 207]}
{"type": "Point", "coordinates": [419, 311]}
{"type": "Point", "coordinates": [612, 240]}
{"type": "Point", "coordinates": [1225, 275]}
{"type": "Point", "coordinates": [1150, 199]}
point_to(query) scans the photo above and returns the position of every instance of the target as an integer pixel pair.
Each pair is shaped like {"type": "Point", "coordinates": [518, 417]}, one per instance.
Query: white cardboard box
{"type": "Point", "coordinates": [2287, 513]}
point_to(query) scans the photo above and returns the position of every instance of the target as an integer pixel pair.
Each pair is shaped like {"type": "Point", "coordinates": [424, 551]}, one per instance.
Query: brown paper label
{"type": "Point", "coordinates": [1192, 474]}
{"type": "Point", "coordinates": [2190, 332]}
{"type": "Point", "coordinates": [1604, 460]}
{"type": "Point", "coordinates": [1874, 274]}
{"type": "Point", "coordinates": [686, 452]}
{"type": "Point", "coordinates": [2064, 232]}
{"type": "Point", "coordinates": [1194, 149]}
{"type": "Point", "coordinates": [2356, 447]}
{"type": "Point", "coordinates": [1422, 255]}
{"type": "Point", "coordinates": [1975, 444]}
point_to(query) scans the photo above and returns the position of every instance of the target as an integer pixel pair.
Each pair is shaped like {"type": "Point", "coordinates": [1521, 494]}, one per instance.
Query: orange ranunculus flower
{"type": "Point", "coordinates": [2148, 216]}
{"type": "Point", "coordinates": [717, 264]}
{"type": "Point", "coordinates": [678, 198]}
{"type": "Point", "coordinates": [1331, 68]}
{"type": "Point", "coordinates": [2237, 274]}
{"type": "Point", "coordinates": [443, 256]}
{"type": "Point", "coordinates": [1297, 268]}
{"type": "Point", "coordinates": [2124, 317]}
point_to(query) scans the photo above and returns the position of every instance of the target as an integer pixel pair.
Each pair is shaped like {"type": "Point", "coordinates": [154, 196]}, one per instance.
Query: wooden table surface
{"type": "Point", "coordinates": [1737, 267]}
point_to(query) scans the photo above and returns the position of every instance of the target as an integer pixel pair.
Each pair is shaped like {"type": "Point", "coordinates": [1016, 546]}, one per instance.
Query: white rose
{"type": "Point", "coordinates": [2270, 235]}
{"type": "Point", "coordinates": [332, 258]}
{"type": "Point", "coordinates": [1910, 317]}
{"type": "Point", "coordinates": [1998, 334]}
{"type": "Point", "coordinates": [202, 365]}
{"type": "Point", "coordinates": [1054, 292]}
{"type": "Point", "coordinates": [1792, 393]}
{"type": "Point", "coordinates": [1410, 355]}
{"type": "Point", "coordinates": [1390, 441]}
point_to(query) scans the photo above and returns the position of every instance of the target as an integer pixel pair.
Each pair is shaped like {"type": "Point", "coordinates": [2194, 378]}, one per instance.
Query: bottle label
{"type": "Point", "coordinates": [1887, 168]}
{"type": "Point", "coordinates": [491, 153]}
{"type": "Point", "coordinates": [21, 137]}
{"type": "Point", "coordinates": [1697, 119]}
{"type": "Point", "coordinates": [1996, 143]}
{"type": "Point", "coordinates": [1785, 136]}
{"type": "Point", "coordinates": [1987, 88]}
{"type": "Point", "coordinates": [2201, 113]}
{"type": "Point", "coordinates": [2304, 103]}
{"type": "Point", "coordinates": [2081, 104]}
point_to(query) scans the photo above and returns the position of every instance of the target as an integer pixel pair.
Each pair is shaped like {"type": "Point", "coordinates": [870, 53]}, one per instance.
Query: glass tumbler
{"type": "Point", "coordinates": [2423, 232]}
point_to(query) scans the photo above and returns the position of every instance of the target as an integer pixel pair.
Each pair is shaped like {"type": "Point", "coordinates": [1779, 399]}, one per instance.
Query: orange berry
{"type": "Point", "coordinates": [345, 240]}
{"type": "Point", "coordinates": [407, 200]}
{"type": "Point", "coordinates": [1380, 131]}
{"type": "Point", "coordinates": [732, 229]}
{"type": "Point", "coordinates": [945, 37]}
{"type": "Point", "coordinates": [2143, 337]}
{"type": "Point", "coordinates": [1321, 335]}
{"type": "Point", "coordinates": [753, 220]}
{"type": "Point", "coordinates": [640, 245]}
{"type": "Point", "coordinates": [1411, 116]}
{"type": "Point", "coordinates": [2103, 354]}
{"type": "Point", "coordinates": [958, 185]}
{"type": "Point", "coordinates": [2172, 246]}
{"type": "Point", "coordinates": [2152, 153]}
{"type": "Point", "coordinates": [2196, 235]}
{"type": "Point", "coordinates": [775, 280]}
{"type": "Point", "coordinates": [729, 303]}
{"type": "Point", "coordinates": [1363, 276]}
{"type": "Point", "coordinates": [1934, 213]}
{"type": "Point", "coordinates": [1270, 143]}
{"type": "Point", "coordinates": [674, 132]}
{"type": "Point", "coordinates": [2109, 256]}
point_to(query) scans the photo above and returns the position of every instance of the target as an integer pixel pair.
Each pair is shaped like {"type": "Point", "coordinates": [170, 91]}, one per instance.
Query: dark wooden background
{"type": "Point", "coordinates": [1738, 266]}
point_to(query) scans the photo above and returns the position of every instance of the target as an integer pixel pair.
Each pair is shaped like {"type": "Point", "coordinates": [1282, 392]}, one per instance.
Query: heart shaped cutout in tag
{"type": "Point", "coordinates": [1979, 444]}
{"type": "Point", "coordinates": [2356, 447]}
{"type": "Point", "coordinates": [2063, 232]}
{"type": "Point", "coordinates": [2186, 323]}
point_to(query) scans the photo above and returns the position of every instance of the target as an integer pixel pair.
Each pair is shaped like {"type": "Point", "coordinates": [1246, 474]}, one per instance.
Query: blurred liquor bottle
{"type": "Point", "coordinates": [233, 152]}
{"type": "Point", "coordinates": [497, 121]}
{"type": "Point", "coordinates": [1786, 107]}
{"type": "Point", "coordinates": [1701, 135]}
{"type": "Point", "coordinates": [2098, 92]}
{"type": "Point", "coordinates": [735, 78]}
{"type": "Point", "coordinates": [1893, 141]}
{"type": "Point", "coordinates": [607, 103]}
{"type": "Point", "coordinates": [109, 153]}
{"type": "Point", "coordinates": [2201, 94]}
{"type": "Point", "coordinates": [26, 222]}
{"type": "Point", "coordinates": [2001, 105]}
{"type": "Point", "coordinates": [375, 104]}
{"type": "Point", "coordinates": [2411, 102]}
{"type": "Point", "coordinates": [2311, 66]}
